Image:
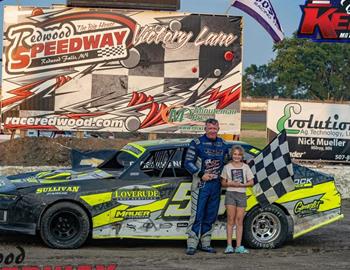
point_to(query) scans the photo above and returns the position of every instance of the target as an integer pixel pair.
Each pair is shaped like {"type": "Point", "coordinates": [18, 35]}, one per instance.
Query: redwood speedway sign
{"type": "Point", "coordinates": [89, 69]}
{"type": "Point", "coordinates": [316, 131]}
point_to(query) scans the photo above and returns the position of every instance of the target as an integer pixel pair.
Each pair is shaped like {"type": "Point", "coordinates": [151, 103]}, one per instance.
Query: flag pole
{"type": "Point", "coordinates": [229, 6]}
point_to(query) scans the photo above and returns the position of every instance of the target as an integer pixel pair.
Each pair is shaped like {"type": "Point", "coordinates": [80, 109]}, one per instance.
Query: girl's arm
{"type": "Point", "coordinates": [250, 183]}
{"type": "Point", "coordinates": [225, 183]}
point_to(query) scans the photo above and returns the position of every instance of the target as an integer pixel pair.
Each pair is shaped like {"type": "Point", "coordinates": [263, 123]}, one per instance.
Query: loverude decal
{"type": "Point", "coordinates": [85, 69]}
{"type": "Point", "coordinates": [325, 20]}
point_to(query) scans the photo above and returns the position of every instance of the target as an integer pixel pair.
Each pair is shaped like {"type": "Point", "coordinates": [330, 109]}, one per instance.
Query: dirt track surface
{"type": "Point", "coordinates": [50, 152]}
{"type": "Point", "coordinates": [44, 151]}
{"type": "Point", "coordinates": [326, 248]}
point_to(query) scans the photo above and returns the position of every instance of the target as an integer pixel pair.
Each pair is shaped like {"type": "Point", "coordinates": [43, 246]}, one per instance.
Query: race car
{"type": "Point", "coordinates": [144, 191]}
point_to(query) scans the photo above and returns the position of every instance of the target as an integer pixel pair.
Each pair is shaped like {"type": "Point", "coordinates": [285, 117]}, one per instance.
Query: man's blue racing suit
{"type": "Point", "coordinates": [204, 156]}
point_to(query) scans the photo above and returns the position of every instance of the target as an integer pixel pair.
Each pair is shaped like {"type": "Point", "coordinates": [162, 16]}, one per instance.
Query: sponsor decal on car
{"type": "Point", "coordinates": [134, 149]}
{"type": "Point", "coordinates": [49, 190]}
{"type": "Point", "coordinates": [132, 214]}
{"type": "Point", "coordinates": [303, 182]}
{"type": "Point", "coordinates": [137, 195]}
{"type": "Point", "coordinates": [302, 209]}
{"type": "Point", "coordinates": [182, 225]}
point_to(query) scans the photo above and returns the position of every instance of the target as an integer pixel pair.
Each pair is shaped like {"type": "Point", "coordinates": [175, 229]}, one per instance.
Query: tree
{"type": "Point", "coordinates": [306, 70]}
{"type": "Point", "coordinates": [260, 81]}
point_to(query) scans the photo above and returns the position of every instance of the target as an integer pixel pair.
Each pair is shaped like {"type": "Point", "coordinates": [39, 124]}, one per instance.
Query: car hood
{"type": "Point", "coordinates": [50, 177]}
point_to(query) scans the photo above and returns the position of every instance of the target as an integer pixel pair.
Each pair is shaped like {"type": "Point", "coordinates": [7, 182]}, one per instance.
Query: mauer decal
{"type": "Point", "coordinates": [132, 214]}
{"type": "Point", "coordinates": [120, 71]}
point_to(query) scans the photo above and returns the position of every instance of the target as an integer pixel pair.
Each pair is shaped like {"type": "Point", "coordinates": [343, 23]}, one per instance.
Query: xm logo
{"type": "Point", "coordinates": [288, 110]}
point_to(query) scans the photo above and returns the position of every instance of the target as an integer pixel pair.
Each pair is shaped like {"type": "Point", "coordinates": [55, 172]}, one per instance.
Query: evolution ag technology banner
{"type": "Point", "coordinates": [316, 131]}
{"type": "Point", "coordinates": [89, 69]}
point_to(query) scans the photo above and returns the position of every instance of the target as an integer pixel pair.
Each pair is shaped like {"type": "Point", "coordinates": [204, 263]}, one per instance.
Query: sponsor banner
{"type": "Point", "coordinates": [120, 71]}
{"type": "Point", "coordinates": [325, 20]}
{"type": "Point", "coordinates": [316, 131]}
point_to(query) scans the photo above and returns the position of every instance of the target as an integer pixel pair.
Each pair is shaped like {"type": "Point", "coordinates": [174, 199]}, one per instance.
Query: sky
{"type": "Point", "coordinates": [257, 48]}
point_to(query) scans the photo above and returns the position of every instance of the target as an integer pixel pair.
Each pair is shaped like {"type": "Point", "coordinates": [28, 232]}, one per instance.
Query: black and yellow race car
{"type": "Point", "coordinates": [143, 191]}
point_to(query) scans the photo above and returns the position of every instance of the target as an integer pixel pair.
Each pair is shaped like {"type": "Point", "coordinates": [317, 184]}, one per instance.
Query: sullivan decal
{"type": "Point", "coordinates": [47, 190]}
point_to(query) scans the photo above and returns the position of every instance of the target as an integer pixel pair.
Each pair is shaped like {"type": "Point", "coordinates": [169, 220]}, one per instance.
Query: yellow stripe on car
{"type": "Point", "coordinates": [95, 199]}
{"type": "Point", "coordinates": [108, 216]}
{"type": "Point", "coordinates": [160, 185]}
{"type": "Point", "coordinates": [330, 198]}
{"type": "Point", "coordinates": [319, 226]}
{"type": "Point", "coordinates": [153, 207]}
{"type": "Point", "coordinates": [138, 147]}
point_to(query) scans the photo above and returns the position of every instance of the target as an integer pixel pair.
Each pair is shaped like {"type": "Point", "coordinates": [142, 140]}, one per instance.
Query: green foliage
{"type": "Point", "coordinates": [257, 142]}
{"type": "Point", "coordinates": [253, 126]}
{"type": "Point", "coordinates": [302, 69]}
{"type": "Point", "coordinates": [260, 81]}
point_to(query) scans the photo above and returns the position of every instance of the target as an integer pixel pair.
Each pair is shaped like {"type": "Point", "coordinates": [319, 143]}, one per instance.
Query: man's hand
{"type": "Point", "coordinates": [208, 177]}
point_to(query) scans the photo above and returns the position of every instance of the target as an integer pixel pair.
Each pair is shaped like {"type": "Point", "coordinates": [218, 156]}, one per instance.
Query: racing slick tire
{"type": "Point", "coordinates": [265, 227]}
{"type": "Point", "coordinates": [64, 225]}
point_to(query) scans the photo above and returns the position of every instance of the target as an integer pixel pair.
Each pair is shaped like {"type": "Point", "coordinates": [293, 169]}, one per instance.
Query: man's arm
{"type": "Point", "coordinates": [193, 162]}
{"type": "Point", "coordinates": [192, 158]}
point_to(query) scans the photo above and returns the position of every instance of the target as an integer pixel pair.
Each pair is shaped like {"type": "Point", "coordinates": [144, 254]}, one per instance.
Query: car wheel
{"type": "Point", "coordinates": [65, 225]}
{"type": "Point", "coordinates": [265, 227]}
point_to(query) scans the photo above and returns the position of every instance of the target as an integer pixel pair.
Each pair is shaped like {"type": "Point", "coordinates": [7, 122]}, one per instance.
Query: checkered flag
{"type": "Point", "coordinates": [109, 52]}
{"type": "Point", "coordinates": [273, 170]}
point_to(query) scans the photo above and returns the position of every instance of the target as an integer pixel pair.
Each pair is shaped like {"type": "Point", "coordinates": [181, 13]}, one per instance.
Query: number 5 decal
{"type": "Point", "coordinates": [180, 204]}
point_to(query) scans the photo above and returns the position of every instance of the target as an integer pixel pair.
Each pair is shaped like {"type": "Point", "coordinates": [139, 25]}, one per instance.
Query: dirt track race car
{"type": "Point", "coordinates": [143, 191]}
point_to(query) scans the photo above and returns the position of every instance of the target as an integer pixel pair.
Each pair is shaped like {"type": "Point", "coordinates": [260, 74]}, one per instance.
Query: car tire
{"type": "Point", "coordinates": [265, 227]}
{"type": "Point", "coordinates": [65, 225]}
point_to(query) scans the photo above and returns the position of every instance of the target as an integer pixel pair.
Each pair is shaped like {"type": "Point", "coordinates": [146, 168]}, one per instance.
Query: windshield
{"type": "Point", "coordinates": [125, 159]}
{"type": "Point", "coordinates": [121, 161]}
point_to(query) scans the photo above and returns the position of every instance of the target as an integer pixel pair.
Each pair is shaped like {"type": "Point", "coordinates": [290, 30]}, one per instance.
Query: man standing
{"type": "Point", "coordinates": [205, 160]}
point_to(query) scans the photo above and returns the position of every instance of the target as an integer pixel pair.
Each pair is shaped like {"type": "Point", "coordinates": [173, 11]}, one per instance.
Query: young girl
{"type": "Point", "coordinates": [236, 177]}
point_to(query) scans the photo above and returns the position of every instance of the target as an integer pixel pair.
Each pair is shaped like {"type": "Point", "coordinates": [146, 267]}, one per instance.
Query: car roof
{"type": "Point", "coordinates": [166, 143]}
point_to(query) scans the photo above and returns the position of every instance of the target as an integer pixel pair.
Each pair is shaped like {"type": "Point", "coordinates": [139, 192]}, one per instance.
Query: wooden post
{"type": "Point", "coordinates": [80, 134]}
{"type": "Point", "coordinates": [13, 133]}
{"type": "Point", "coordinates": [152, 136]}
{"type": "Point", "coordinates": [22, 133]}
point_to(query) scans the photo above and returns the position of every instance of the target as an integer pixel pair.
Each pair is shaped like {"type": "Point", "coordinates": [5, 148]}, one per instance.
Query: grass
{"type": "Point", "coordinates": [257, 142]}
{"type": "Point", "coordinates": [254, 126]}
